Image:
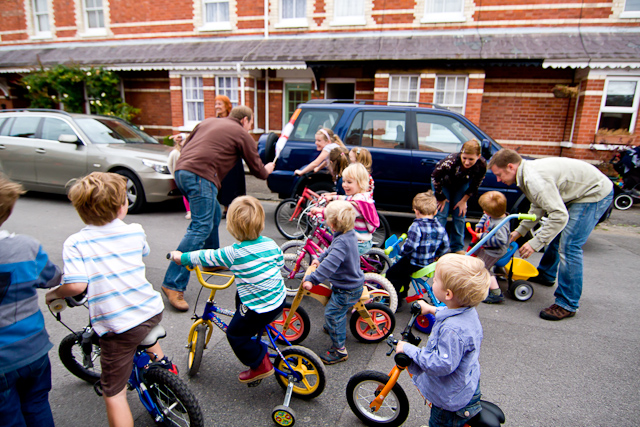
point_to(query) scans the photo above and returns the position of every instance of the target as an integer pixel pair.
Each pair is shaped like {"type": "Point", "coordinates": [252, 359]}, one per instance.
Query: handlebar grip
{"type": "Point", "coordinates": [169, 255]}
{"type": "Point", "coordinates": [403, 236]}
{"type": "Point", "coordinates": [58, 305]}
{"type": "Point", "coordinates": [530, 217]}
{"type": "Point", "coordinates": [388, 250]}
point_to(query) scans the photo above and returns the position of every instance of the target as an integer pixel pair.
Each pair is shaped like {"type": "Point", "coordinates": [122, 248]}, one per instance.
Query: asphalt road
{"type": "Point", "coordinates": [582, 371]}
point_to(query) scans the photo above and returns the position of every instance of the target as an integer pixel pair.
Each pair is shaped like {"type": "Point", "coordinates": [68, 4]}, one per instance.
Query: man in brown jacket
{"type": "Point", "coordinates": [212, 149]}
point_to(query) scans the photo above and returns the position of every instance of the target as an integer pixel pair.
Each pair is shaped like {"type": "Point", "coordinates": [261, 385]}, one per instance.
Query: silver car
{"type": "Point", "coordinates": [46, 150]}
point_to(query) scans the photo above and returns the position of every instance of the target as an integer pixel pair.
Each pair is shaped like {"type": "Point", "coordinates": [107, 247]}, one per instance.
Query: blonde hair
{"type": "Point", "coordinates": [425, 203]}
{"type": "Point", "coordinates": [494, 203]}
{"type": "Point", "coordinates": [340, 216]}
{"type": "Point", "coordinates": [465, 276]}
{"type": "Point", "coordinates": [328, 135]}
{"type": "Point", "coordinates": [98, 197]}
{"type": "Point", "coordinates": [10, 192]}
{"type": "Point", "coordinates": [363, 156]}
{"type": "Point", "coordinates": [357, 172]}
{"type": "Point", "coordinates": [472, 146]}
{"type": "Point", "coordinates": [338, 161]}
{"type": "Point", "coordinates": [245, 218]}
{"type": "Point", "coordinates": [504, 157]}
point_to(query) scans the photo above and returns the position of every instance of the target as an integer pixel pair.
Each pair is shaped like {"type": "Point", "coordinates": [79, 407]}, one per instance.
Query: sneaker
{"type": "Point", "coordinates": [334, 356]}
{"type": "Point", "coordinates": [555, 312]}
{"type": "Point", "coordinates": [188, 215]}
{"type": "Point", "coordinates": [540, 281]}
{"type": "Point", "coordinates": [168, 365]}
{"type": "Point", "coordinates": [263, 371]}
{"type": "Point", "coordinates": [494, 298]}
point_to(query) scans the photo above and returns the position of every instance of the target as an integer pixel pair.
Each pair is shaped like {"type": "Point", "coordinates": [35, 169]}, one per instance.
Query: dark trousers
{"type": "Point", "coordinates": [245, 325]}
{"type": "Point", "coordinates": [400, 275]}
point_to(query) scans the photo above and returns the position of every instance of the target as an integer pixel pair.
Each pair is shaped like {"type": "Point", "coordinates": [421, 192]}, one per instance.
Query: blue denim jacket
{"type": "Point", "coordinates": [446, 370]}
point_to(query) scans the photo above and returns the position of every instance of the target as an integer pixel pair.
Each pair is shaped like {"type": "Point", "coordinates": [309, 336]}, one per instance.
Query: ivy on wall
{"type": "Point", "coordinates": [66, 86]}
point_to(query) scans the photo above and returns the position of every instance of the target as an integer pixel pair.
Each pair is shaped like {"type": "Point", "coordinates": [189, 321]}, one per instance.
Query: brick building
{"type": "Point", "coordinates": [496, 61]}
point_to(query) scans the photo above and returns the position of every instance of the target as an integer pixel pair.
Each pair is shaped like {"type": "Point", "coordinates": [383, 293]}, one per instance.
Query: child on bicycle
{"type": "Point", "coordinates": [326, 141]}
{"type": "Point", "coordinates": [446, 370]}
{"type": "Point", "coordinates": [338, 162]}
{"type": "Point", "coordinates": [105, 260]}
{"type": "Point", "coordinates": [363, 156]}
{"type": "Point", "coordinates": [256, 262]}
{"type": "Point", "coordinates": [426, 240]}
{"type": "Point", "coordinates": [25, 370]}
{"type": "Point", "coordinates": [494, 207]}
{"type": "Point", "coordinates": [340, 264]}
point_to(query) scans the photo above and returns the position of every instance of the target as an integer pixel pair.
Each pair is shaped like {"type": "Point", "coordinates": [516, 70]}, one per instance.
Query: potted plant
{"type": "Point", "coordinates": [615, 137]}
{"type": "Point", "coordinates": [565, 91]}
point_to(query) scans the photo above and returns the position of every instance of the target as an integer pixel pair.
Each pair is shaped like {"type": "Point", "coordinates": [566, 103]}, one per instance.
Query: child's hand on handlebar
{"type": "Point", "coordinates": [399, 347]}
{"type": "Point", "coordinates": [51, 295]}
{"type": "Point", "coordinates": [175, 256]}
{"type": "Point", "coordinates": [307, 285]}
{"type": "Point", "coordinates": [426, 308]}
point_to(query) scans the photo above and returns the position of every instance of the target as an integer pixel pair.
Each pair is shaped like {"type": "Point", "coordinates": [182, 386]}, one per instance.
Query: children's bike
{"type": "Point", "coordinates": [370, 322]}
{"type": "Point", "coordinates": [163, 394]}
{"type": "Point", "coordinates": [298, 370]}
{"type": "Point", "coordinates": [378, 400]}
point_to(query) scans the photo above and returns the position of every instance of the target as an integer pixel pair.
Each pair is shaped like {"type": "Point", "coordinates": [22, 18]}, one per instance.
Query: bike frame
{"type": "Point", "coordinates": [307, 195]}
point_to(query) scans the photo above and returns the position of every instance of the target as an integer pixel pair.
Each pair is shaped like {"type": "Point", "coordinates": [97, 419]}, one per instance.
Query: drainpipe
{"type": "Point", "coordinates": [239, 71]}
{"type": "Point", "coordinates": [266, 101]}
{"type": "Point", "coordinates": [255, 104]}
{"type": "Point", "coordinates": [266, 19]}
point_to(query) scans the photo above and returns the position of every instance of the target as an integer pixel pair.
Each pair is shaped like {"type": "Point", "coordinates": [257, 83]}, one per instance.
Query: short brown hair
{"type": "Point", "coordinates": [465, 276]}
{"type": "Point", "coordinates": [9, 194]}
{"type": "Point", "coordinates": [245, 218]}
{"type": "Point", "coordinates": [363, 156]}
{"type": "Point", "coordinates": [338, 161]}
{"type": "Point", "coordinates": [472, 146]}
{"type": "Point", "coordinates": [494, 203]}
{"type": "Point", "coordinates": [240, 112]}
{"type": "Point", "coordinates": [98, 197]}
{"type": "Point", "coordinates": [340, 215]}
{"type": "Point", "coordinates": [504, 157]}
{"type": "Point", "coordinates": [425, 203]}
{"type": "Point", "coordinates": [357, 172]}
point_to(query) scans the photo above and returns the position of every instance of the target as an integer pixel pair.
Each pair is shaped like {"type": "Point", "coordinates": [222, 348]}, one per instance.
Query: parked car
{"type": "Point", "coordinates": [405, 142]}
{"type": "Point", "coordinates": [46, 150]}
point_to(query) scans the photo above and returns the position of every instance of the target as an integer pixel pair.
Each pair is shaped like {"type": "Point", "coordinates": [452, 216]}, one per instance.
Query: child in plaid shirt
{"type": "Point", "coordinates": [426, 241]}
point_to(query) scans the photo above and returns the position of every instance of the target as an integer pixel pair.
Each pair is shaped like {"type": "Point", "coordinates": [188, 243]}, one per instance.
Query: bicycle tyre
{"type": "Point", "coordinates": [381, 315]}
{"type": "Point", "coordinates": [376, 281]}
{"type": "Point", "coordinates": [364, 387]}
{"type": "Point", "coordinates": [382, 233]}
{"type": "Point", "coordinates": [377, 259]}
{"type": "Point", "coordinates": [196, 348]}
{"type": "Point", "coordinates": [292, 285]}
{"type": "Point", "coordinates": [286, 226]}
{"type": "Point", "coordinates": [298, 327]}
{"type": "Point", "coordinates": [309, 365]}
{"type": "Point", "coordinates": [623, 202]}
{"type": "Point", "coordinates": [67, 353]}
{"type": "Point", "coordinates": [174, 399]}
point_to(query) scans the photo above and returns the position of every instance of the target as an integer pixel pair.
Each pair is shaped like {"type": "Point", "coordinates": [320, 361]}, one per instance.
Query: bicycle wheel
{"type": "Point", "coordinates": [298, 328]}
{"type": "Point", "coordinates": [375, 261]}
{"type": "Point", "coordinates": [382, 233]}
{"type": "Point", "coordinates": [292, 285]}
{"type": "Point", "coordinates": [623, 202]}
{"type": "Point", "coordinates": [364, 387]}
{"type": "Point", "coordinates": [305, 363]}
{"type": "Point", "coordinates": [196, 347]}
{"type": "Point", "coordinates": [175, 401]}
{"type": "Point", "coordinates": [289, 227]}
{"type": "Point", "coordinates": [72, 357]}
{"type": "Point", "coordinates": [376, 281]}
{"type": "Point", "coordinates": [382, 317]}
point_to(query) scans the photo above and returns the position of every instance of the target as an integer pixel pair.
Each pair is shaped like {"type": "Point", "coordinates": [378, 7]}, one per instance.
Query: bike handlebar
{"type": "Point", "coordinates": [199, 272]}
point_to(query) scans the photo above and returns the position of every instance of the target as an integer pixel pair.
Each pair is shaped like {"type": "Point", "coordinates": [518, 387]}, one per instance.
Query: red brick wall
{"type": "Point", "coordinates": [149, 91]}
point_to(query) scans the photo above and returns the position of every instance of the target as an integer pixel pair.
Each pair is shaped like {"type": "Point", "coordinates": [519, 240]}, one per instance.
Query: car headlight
{"type": "Point", "coordinates": [157, 166]}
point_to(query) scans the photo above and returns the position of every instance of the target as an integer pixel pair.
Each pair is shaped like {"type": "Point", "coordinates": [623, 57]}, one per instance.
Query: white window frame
{"type": "Point", "coordinates": [38, 33]}
{"type": "Point", "coordinates": [298, 22]}
{"type": "Point", "coordinates": [216, 25]}
{"type": "Point", "coordinates": [629, 13]}
{"type": "Point", "coordinates": [85, 13]}
{"type": "Point", "coordinates": [434, 16]}
{"type": "Point", "coordinates": [463, 106]}
{"type": "Point", "coordinates": [625, 110]}
{"type": "Point", "coordinates": [223, 89]}
{"type": "Point", "coordinates": [187, 99]}
{"type": "Point", "coordinates": [402, 77]}
{"type": "Point", "coordinates": [350, 20]}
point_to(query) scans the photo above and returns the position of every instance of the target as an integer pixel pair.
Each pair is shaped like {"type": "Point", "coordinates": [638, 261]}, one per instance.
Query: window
{"type": "Point", "coordinates": [193, 97]}
{"type": "Point", "coordinates": [310, 121]}
{"type": "Point", "coordinates": [295, 93]}
{"type": "Point", "coordinates": [441, 133]}
{"type": "Point", "coordinates": [378, 129]}
{"type": "Point", "coordinates": [348, 12]}
{"type": "Point", "coordinates": [403, 89]}
{"type": "Point", "coordinates": [41, 18]}
{"type": "Point", "coordinates": [216, 11]}
{"type": "Point", "coordinates": [94, 14]}
{"type": "Point", "coordinates": [294, 9]}
{"type": "Point", "coordinates": [53, 128]}
{"type": "Point", "coordinates": [619, 104]}
{"type": "Point", "coordinates": [451, 92]}
{"type": "Point", "coordinates": [25, 127]}
{"type": "Point", "coordinates": [444, 11]}
{"type": "Point", "coordinates": [632, 6]}
{"type": "Point", "coordinates": [228, 86]}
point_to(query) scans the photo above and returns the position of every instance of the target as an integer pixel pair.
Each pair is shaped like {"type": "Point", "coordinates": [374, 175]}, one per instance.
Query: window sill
{"type": "Point", "coordinates": [348, 20]}
{"type": "Point", "coordinates": [442, 17]}
{"type": "Point", "coordinates": [94, 32]}
{"type": "Point", "coordinates": [215, 26]}
{"type": "Point", "coordinates": [42, 36]}
{"type": "Point", "coordinates": [293, 23]}
{"type": "Point", "coordinates": [629, 15]}
{"type": "Point", "coordinates": [188, 127]}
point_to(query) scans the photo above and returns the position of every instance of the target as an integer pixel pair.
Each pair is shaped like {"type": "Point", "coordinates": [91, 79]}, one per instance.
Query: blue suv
{"type": "Point", "coordinates": [405, 142]}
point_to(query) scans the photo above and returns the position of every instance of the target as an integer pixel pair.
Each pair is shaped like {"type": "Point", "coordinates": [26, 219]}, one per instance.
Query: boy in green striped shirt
{"type": "Point", "coordinates": [256, 263]}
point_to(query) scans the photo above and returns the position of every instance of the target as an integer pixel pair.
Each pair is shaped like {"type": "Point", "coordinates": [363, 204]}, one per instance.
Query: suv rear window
{"type": "Point", "coordinates": [310, 121]}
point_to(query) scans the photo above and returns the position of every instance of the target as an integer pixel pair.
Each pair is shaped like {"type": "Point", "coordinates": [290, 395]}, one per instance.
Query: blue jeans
{"type": "Point", "coordinates": [456, 236]}
{"type": "Point", "coordinates": [442, 418]}
{"type": "Point", "coordinates": [24, 395]}
{"type": "Point", "coordinates": [335, 313]}
{"type": "Point", "coordinates": [202, 232]}
{"type": "Point", "coordinates": [563, 256]}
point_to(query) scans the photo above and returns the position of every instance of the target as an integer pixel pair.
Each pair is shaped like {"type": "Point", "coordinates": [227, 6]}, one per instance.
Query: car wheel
{"type": "Point", "coordinates": [135, 192]}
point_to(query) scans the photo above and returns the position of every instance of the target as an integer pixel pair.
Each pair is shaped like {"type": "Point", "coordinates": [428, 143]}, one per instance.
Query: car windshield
{"type": "Point", "coordinates": [102, 130]}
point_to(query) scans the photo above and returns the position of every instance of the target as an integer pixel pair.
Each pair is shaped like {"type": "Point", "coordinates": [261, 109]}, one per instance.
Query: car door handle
{"type": "Point", "coordinates": [425, 162]}
{"type": "Point", "coordinates": [41, 151]}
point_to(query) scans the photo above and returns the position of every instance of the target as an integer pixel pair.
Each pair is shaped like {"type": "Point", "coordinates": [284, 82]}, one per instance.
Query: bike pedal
{"type": "Point", "coordinates": [255, 383]}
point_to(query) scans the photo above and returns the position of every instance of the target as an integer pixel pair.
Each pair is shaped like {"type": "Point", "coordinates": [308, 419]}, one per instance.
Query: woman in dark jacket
{"type": "Point", "coordinates": [455, 179]}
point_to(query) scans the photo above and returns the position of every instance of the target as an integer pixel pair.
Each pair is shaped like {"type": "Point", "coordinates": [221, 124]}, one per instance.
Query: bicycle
{"type": "Point", "coordinates": [370, 322]}
{"type": "Point", "coordinates": [298, 370]}
{"type": "Point", "coordinates": [378, 400]}
{"type": "Point", "coordinates": [163, 394]}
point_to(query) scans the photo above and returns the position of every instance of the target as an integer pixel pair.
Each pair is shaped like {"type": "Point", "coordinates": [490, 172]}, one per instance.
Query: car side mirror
{"type": "Point", "coordinates": [68, 138]}
{"type": "Point", "coordinates": [485, 147]}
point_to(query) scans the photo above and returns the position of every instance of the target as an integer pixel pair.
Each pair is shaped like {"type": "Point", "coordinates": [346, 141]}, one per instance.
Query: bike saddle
{"type": "Point", "coordinates": [489, 416]}
{"type": "Point", "coordinates": [153, 336]}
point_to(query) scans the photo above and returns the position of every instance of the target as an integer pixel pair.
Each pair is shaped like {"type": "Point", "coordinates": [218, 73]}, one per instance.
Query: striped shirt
{"type": "Point", "coordinates": [109, 259]}
{"type": "Point", "coordinates": [256, 265]}
{"type": "Point", "coordinates": [363, 228]}
{"type": "Point", "coordinates": [426, 240]}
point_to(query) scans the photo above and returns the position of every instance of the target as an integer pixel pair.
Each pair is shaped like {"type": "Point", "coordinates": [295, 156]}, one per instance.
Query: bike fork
{"type": "Point", "coordinates": [393, 379]}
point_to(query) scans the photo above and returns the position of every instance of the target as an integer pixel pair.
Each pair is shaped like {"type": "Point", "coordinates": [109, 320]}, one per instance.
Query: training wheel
{"type": "Point", "coordinates": [521, 290]}
{"type": "Point", "coordinates": [283, 416]}
{"type": "Point", "coordinates": [424, 323]}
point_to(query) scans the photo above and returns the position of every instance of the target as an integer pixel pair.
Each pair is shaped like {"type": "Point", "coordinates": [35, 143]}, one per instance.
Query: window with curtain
{"type": "Point", "coordinates": [228, 86]}
{"type": "Point", "coordinates": [632, 6]}
{"type": "Point", "coordinates": [216, 11]}
{"type": "Point", "coordinates": [294, 9]}
{"type": "Point", "coordinates": [41, 16]}
{"type": "Point", "coordinates": [403, 89]}
{"type": "Point", "coordinates": [451, 92]}
{"type": "Point", "coordinates": [94, 12]}
{"type": "Point", "coordinates": [347, 8]}
{"type": "Point", "coordinates": [444, 11]}
{"type": "Point", "coordinates": [193, 98]}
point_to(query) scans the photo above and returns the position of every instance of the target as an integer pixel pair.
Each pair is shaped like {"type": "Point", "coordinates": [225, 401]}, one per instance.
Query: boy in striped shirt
{"type": "Point", "coordinates": [256, 263]}
{"type": "Point", "coordinates": [105, 260]}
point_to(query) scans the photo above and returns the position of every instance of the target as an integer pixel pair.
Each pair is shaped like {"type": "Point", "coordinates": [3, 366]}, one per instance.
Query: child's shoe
{"type": "Point", "coordinates": [188, 215]}
{"type": "Point", "coordinates": [334, 355]}
{"type": "Point", "coordinates": [263, 371]}
{"type": "Point", "coordinates": [494, 298]}
{"type": "Point", "coordinates": [168, 365]}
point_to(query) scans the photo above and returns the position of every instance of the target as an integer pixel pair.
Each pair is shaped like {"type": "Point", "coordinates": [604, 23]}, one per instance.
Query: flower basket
{"type": "Point", "coordinates": [564, 91]}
